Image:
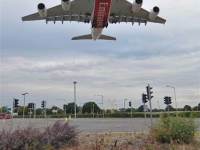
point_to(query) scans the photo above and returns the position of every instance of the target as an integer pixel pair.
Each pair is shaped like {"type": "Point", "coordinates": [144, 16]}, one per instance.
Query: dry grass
{"type": "Point", "coordinates": [128, 141]}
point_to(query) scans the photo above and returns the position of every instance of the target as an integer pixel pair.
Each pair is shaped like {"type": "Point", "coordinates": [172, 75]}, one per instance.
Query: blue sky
{"type": "Point", "coordinates": [42, 60]}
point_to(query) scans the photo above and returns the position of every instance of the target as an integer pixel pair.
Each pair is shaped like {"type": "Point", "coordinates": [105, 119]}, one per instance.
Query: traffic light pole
{"type": "Point", "coordinates": [93, 110]}
{"type": "Point", "coordinates": [145, 116]}
{"type": "Point", "coordinates": [12, 113]}
{"type": "Point", "coordinates": [150, 104]}
{"type": "Point", "coordinates": [45, 105]}
{"type": "Point", "coordinates": [34, 110]}
{"type": "Point", "coordinates": [30, 113]}
{"type": "Point", "coordinates": [131, 111]}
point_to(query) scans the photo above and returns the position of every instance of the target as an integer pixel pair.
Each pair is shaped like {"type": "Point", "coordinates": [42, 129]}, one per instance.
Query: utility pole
{"type": "Point", "coordinates": [24, 108]}
{"type": "Point", "coordinates": [75, 99]}
{"type": "Point", "coordinates": [93, 110]}
{"type": "Point", "coordinates": [149, 96]}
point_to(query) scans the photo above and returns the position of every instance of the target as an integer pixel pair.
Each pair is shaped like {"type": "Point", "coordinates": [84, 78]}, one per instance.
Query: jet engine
{"type": "Point", "coordinates": [137, 4]}
{"type": "Point", "coordinates": [42, 10]}
{"type": "Point", "coordinates": [154, 13]}
{"type": "Point", "coordinates": [66, 4]}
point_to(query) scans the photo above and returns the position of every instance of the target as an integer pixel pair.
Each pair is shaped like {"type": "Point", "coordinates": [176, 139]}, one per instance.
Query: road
{"type": "Point", "coordinates": [88, 125]}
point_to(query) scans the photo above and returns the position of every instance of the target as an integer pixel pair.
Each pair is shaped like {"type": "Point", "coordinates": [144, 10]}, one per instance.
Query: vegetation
{"type": "Point", "coordinates": [187, 108]}
{"type": "Point", "coordinates": [170, 108]}
{"type": "Point", "coordinates": [177, 129]}
{"type": "Point", "coordinates": [88, 108]}
{"type": "Point", "coordinates": [56, 136]}
{"type": "Point", "coordinates": [70, 108]}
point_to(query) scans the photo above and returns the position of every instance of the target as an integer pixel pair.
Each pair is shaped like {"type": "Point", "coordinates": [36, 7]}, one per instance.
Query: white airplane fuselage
{"type": "Point", "coordinates": [100, 17]}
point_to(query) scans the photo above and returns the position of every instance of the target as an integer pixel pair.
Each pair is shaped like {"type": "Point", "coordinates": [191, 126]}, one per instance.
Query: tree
{"type": "Point", "coordinates": [60, 111]}
{"type": "Point", "coordinates": [39, 111]}
{"type": "Point", "coordinates": [70, 108]}
{"type": "Point", "coordinates": [195, 108]}
{"type": "Point", "coordinates": [88, 108]}
{"type": "Point", "coordinates": [170, 108]}
{"type": "Point", "coordinates": [187, 108]}
{"type": "Point", "coordinates": [108, 111]}
{"type": "Point", "coordinates": [141, 108]}
{"type": "Point", "coordinates": [129, 110]}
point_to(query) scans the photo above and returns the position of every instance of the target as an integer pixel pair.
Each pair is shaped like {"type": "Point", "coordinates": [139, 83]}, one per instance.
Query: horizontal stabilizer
{"type": "Point", "coordinates": [89, 36]}
{"type": "Point", "coordinates": [105, 37]}
{"type": "Point", "coordinates": [83, 37]}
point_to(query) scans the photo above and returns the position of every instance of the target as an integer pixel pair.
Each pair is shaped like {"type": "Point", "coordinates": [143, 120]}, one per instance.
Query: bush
{"type": "Point", "coordinates": [177, 129]}
{"type": "Point", "coordinates": [56, 136]}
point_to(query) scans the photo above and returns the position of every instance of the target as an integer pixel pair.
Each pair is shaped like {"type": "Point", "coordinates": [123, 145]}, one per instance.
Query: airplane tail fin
{"type": "Point", "coordinates": [89, 36]}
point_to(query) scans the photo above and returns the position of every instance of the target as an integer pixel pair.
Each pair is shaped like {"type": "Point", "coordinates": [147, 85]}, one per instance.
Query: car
{"type": "Point", "coordinates": [8, 116]}
{"type": "Point", "coordinates": [2, 115]}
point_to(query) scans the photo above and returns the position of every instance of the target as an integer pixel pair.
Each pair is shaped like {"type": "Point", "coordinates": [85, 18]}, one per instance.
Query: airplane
{"type": "Point", "coordinates": [97, 12]}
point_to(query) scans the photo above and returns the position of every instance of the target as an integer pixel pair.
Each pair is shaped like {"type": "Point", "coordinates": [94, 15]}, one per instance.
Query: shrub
{"type": "Point", "coordinates": [177, 129]}
{"type": "Point", "coordinates": [56, 136]}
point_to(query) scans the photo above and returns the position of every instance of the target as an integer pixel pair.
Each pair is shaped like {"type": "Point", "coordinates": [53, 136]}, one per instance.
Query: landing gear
{"type": "Point", "coordinates": [114, 21]}
{"type": "Point", "coordinates": [87, 20]}
{"type": "Point", "coordinates": [94, 25]}
{"type": "Point", "coordinates": [105, 24]}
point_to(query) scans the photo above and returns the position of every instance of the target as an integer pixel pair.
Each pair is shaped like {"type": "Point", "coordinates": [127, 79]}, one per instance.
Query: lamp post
{"type": "Point", "coordinates": [102, 104]}
{"type": "Point", "coordinates": [65, 103]}
{"type": "Point", "coordinates": [82, 108]}
{"type": "Point", "coordinates": [24, 107]}
{"type": "Point", "coordinates": [174, 95]}
{"type": "Point", "coordinates": [100, 107]}
{"type": "Point", "coordinates": [75, 98]}
{"type": "Point", "coordinates": [124, 104]}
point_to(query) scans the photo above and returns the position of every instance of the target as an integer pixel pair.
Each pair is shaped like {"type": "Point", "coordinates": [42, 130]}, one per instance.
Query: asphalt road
{"type": "Point", "coordinates": [88, 125]}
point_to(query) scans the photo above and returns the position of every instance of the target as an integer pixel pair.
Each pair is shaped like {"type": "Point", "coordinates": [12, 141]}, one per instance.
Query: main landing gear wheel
{"type": "Point", "coordinates": [87, 21]}
{"type": "Point", "coordinates": [105, 24]}
{"type": "Point", "coordinates": [94, 25]}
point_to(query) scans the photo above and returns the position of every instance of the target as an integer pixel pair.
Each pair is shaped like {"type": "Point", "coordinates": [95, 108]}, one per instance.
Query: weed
{"type": "Point", "coordinates": [56, 136]}
{"type": "Point", "coordinates": [129, 142]}
{"type": "Point", "coordinates": [149, 147]}
{"type": "Point", "coordinates": [174, 129]}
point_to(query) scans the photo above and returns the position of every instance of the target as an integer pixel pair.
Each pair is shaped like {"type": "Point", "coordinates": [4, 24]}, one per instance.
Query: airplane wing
{"type": "Point", "coordinates": [81, 11]}
{"type": "Point", "coordinates": [121, 11]}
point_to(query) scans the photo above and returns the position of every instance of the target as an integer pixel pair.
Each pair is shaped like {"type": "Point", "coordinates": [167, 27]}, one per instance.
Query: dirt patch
{"type": "Point", "coordinates": [128, 141]}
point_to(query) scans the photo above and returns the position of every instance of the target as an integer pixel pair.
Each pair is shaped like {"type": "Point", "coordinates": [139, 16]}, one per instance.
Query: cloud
{"type": "Point", "coordinates": [42, 60]}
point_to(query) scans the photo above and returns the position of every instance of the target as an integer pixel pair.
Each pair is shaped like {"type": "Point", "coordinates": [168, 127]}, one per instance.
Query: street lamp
{"type": "Point", "coordinates": [174, 95]}
{"type": "Point", "coordinates": [124, 104]}
{"type": "Point", "coordinates": [64, 103]}
{"type": "Point", "coordinates": [24, 106]}
{"type": "Point", "coordinates": [82, 108]}
{"type": "Point", "coordinates": [102, 104]}
{"type": "Point", "coordinates": [75, 98]}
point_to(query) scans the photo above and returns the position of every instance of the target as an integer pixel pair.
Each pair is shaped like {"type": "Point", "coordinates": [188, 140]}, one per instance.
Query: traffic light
{"type": "Point", "coordinates": [30, 105]}
{"type": "Point", "coordinates": [129, 104]}
{"type": "Point", "coordinates": [33, 105]}
{"type": "Point", "coordinates": [166, 100]}
{"type": "Point", "coordinates": [169, 100]}
{"type": "Point", "coordinates": [144, 98]}
{"type": "Point", "coordinates": [64, 107]}
{"type": "Point", "coordinates": [16, 103]}
{"type": "Point", "coordinates": [42, 104]}
{"type": "Point", "coordinates": [149, 92]}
